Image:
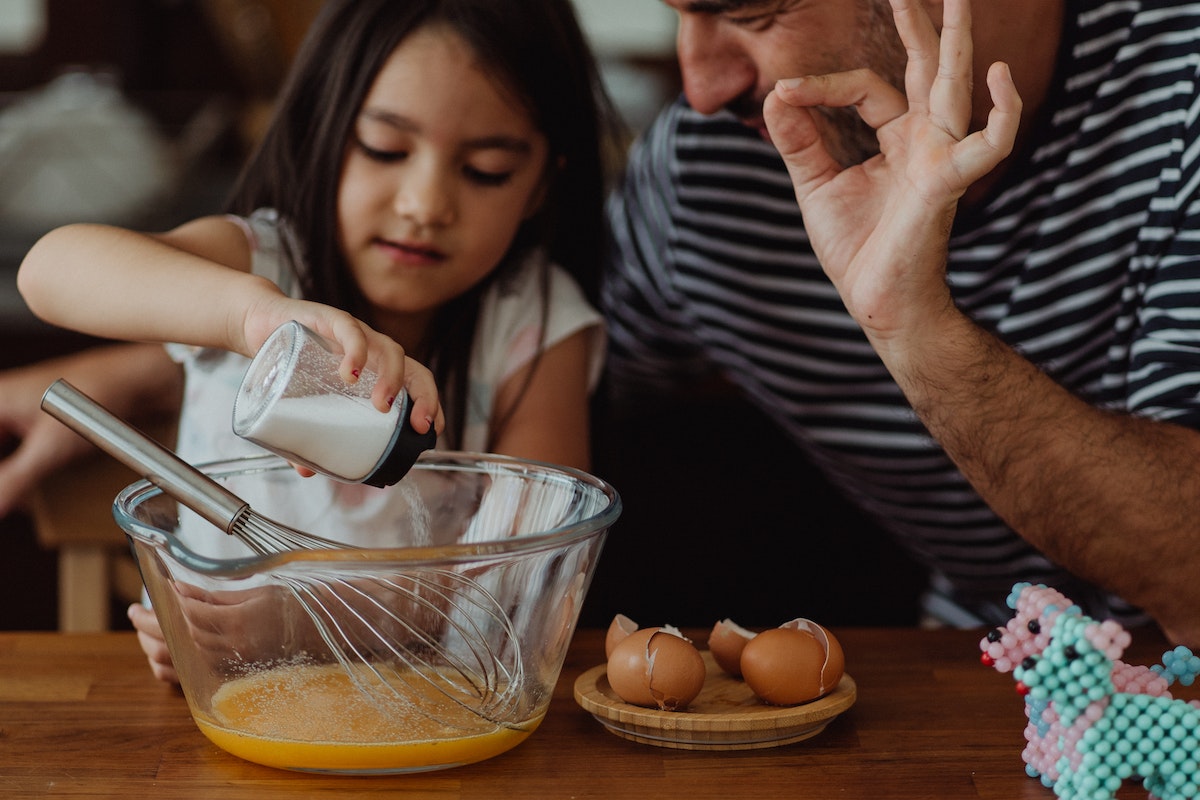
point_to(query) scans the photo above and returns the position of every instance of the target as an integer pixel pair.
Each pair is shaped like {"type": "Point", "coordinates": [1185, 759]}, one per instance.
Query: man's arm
{"type": "Point", "coordinates": [1113, 498]}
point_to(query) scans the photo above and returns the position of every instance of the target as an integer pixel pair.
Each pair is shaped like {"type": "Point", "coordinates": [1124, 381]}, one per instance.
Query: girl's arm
{"type": "Point", "coordinates": [193, 285]}
{"type": "Point", "coordinates": [551, 423]}
{"type": "Point", "coordinates": [189, 285]}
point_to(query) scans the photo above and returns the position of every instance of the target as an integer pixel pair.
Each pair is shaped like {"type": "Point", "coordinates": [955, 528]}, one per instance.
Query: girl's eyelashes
{"type": "Point", "coordinates": [485, 178]}
{"type": "Point", "coordinates": [476, 175]}
{"type": "Point", "coordinates": [382, 156]}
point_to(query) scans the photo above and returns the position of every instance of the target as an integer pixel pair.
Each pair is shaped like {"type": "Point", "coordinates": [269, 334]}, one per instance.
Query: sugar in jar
{"type": "Point", "coordinates": [293, 402]}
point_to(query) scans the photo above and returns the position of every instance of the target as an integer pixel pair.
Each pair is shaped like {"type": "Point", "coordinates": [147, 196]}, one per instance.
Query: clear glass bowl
{"type": "Point", "coordinates": [433, 640]}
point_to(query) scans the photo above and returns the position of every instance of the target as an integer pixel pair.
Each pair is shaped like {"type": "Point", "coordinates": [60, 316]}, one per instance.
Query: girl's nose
{"type": "Point", "coordinates": [715, 68]}
{"type": "Point", "coordinates": [425, 195]}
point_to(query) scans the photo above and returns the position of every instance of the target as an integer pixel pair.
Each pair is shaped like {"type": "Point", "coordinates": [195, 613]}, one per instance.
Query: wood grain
{"type": "Point", "coordinates": [81, 717]}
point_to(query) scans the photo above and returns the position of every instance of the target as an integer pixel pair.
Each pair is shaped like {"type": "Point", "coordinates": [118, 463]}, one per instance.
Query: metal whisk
{"type": "Point", "coordinates": [392, 656]}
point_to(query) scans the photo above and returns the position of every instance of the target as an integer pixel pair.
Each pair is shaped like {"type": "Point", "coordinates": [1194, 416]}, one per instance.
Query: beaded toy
{"type": "Point", "coordinates": [1028, 634]}
{"type": "Point", "coordinates": [1106, 735]}
{"type": "Point", "coordinates": [1062, 746]}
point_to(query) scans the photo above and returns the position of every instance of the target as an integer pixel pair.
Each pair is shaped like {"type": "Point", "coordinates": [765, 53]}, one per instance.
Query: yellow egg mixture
{"type": "Point", "coordinates": [314, 717]}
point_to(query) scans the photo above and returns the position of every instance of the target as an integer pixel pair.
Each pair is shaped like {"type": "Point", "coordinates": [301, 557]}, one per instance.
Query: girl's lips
{"type": "Point", "coordinates": [411, 252]}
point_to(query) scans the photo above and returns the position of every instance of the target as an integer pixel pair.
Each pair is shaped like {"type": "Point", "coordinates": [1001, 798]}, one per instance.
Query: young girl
{"type": "Point", "coordinates": [432, 180]}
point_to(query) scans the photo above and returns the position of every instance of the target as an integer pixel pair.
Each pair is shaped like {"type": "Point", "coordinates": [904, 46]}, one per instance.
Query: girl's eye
{"type": "Point", "coordinates": [382, 156]}
{"type": "Point", "coordinates": [485, 177]}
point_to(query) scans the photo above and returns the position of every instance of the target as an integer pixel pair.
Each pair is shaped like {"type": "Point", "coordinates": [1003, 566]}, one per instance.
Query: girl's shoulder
{"type": "Point", "coordinates": [534, 307]}
{"type": "Point", "coordinates": [523, 289]}
{"type": "Point", "coordinates": [273, 246]}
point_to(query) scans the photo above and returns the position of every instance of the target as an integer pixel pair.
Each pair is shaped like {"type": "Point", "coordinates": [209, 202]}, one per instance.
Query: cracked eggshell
{"type": "Point", "coordinates": [726, 643]}
{"type": "Point", "coordinates": [656, 667]}
{"type": "Point", "coordinates": [620, 627]}
{"type": "Point", "coordinates": [797, 662]}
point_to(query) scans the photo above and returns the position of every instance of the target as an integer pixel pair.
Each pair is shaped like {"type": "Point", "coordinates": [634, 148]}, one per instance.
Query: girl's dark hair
{"type": "Point", "coordinates": [536, 50]}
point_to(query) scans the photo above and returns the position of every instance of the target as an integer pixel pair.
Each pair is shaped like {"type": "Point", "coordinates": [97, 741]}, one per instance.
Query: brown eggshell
{"type": "Point", "coordinates": [655, 667]}
{"type": "Point", "coordinates": [835, 658]}
{"type": "Point", "coordinates": [726, 642]}
{"type": "Point", "coordinates": [620, 627]}
{"type": "Point", "coordinates": [795, 663]}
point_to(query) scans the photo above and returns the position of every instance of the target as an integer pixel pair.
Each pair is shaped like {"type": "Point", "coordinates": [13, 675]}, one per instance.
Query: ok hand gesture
{"type": "Point", "coordinates": [880, 228]}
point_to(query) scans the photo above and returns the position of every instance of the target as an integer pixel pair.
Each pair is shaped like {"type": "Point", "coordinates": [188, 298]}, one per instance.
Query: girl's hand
{"type": "Point", "coordinates": [150, 637]}
{"type": "Point", "coordinates": [231, 627]}
{"type": "Point", "coordinates": [363, 348]}
{"type": "Point", "coordinates": [880, 228]}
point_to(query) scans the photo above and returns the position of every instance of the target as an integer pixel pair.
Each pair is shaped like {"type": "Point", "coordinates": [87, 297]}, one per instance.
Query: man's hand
{"type": "Point", "coordinates": [880, 228]}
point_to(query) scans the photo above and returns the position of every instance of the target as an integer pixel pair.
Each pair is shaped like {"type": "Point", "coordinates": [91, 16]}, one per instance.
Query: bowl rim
{"type": "Point", "coordinates": [440, 460]}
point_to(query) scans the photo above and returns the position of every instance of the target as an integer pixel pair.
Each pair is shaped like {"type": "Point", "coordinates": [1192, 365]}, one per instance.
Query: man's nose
{"type": "Point", "coordinates": [716, 69]}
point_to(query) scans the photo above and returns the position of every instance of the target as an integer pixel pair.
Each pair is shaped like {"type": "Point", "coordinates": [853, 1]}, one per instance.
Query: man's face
{"type": "Point", "coordinates": [731, 53]}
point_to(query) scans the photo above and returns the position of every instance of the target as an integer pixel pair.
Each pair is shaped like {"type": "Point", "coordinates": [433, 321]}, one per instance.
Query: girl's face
{"type": "Point", "coordinates": [441, 168]}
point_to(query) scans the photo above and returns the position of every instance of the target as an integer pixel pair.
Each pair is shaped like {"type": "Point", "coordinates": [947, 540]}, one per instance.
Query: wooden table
{"type": "Point", "coordinates": [80, 716]}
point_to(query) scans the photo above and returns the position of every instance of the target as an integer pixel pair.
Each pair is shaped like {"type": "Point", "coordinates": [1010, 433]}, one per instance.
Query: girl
{"type": "Point", "coordinates": [429, 185]}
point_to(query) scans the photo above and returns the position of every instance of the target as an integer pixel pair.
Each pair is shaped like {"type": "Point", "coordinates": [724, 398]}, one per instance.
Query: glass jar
{"type": "Point", "coordinates": [293, 402]}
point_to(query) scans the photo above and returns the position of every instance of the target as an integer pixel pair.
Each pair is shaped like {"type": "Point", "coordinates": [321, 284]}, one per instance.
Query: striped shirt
{"type": "Point", "coordinates": [1086, 259]}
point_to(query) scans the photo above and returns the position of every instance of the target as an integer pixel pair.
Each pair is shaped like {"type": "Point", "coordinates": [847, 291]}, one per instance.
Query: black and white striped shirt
{"type": "Point", "coordinates": [1086, 259]}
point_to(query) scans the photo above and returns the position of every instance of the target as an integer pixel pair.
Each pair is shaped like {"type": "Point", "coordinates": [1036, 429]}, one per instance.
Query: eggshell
{"type": "Point", "coordinates": [620, 627]}
{"type": "Point", "coordinates": [726, 642]}
{"type": "Point", "coordinates": [656, 667]}
{"type": "Point", "coordinates": [794, 663]}
{"type": "Point", "coordinates": [835, 658]}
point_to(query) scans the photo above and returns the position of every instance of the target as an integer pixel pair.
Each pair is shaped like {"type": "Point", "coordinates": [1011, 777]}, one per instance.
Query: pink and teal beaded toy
{"type": "Point", "coordinates": [1093, 720]}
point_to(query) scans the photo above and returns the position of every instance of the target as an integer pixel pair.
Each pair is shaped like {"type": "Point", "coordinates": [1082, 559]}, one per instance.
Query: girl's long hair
{"type": "Point", "coordinates": [536, 49]}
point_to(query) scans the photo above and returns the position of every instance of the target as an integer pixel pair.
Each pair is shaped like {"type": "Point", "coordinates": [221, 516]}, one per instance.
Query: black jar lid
{"type": "Point", "coordinates": [402, 451]}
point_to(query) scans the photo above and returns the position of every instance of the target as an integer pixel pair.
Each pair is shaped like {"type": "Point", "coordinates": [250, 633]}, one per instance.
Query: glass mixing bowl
{"type": "Point", "coordinates": [434, 639]}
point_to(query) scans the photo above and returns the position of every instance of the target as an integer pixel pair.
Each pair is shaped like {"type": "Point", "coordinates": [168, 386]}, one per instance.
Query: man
{"type": "Point", "coordinates": [983, 320]}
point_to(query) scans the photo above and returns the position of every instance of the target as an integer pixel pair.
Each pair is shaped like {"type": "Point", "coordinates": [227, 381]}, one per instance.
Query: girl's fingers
{"type": "Point", "coordinates": [349, 334]}
{"type": "Point", "coordinates": [152, 643]}
{"type": "Point", "coordinates": [422, 390]}
{"type": "Point", "coordinates": [390, 365]}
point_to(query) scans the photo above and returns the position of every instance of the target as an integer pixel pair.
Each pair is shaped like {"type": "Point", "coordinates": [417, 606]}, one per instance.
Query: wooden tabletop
{"type": "Point", "coordinates": [80, 716]}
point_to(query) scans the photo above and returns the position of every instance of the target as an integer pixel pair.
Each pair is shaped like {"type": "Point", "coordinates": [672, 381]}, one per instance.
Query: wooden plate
{"type": "Point", "coordinates": [725, 716]}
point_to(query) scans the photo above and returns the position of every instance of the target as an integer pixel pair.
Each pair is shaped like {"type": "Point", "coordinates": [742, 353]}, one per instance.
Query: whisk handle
{"type": "Point", "coordinates": [143, 455]}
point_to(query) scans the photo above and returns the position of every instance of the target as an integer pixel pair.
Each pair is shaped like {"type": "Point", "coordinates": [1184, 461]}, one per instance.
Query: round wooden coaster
{"type": "Point", "coordinates": [725, 716]}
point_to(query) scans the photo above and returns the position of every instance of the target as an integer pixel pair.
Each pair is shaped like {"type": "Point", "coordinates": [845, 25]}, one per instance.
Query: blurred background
{"type": "Point", "coordinates": [139, 113]}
